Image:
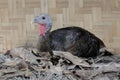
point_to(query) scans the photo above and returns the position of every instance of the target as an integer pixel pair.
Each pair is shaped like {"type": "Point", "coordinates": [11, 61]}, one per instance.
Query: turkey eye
{"type": "Point", "coordinates": [43, 18]}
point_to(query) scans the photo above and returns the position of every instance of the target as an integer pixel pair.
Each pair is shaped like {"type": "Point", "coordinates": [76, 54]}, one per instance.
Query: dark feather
{"type": "Point", "coordinates": [76, 40]}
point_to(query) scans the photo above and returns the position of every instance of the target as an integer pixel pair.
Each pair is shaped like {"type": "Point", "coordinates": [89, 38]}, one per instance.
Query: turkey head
{"type": "Point", "coordinates": [45, 23]}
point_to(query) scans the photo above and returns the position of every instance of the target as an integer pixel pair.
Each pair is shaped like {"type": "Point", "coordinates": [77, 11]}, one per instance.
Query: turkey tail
{"type": "Point", "coordinates": [105, 52]}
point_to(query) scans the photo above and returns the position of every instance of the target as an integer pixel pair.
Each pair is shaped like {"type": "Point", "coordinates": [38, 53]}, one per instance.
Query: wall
{"type": "Point", "coordinates": [101, 17]}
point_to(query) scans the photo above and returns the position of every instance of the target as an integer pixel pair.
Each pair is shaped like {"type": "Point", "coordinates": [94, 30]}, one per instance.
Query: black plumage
{"type": "Point", "coordinates": [76, 40]}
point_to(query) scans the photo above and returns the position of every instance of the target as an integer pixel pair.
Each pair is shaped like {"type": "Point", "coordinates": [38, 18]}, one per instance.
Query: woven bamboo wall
{"type": "Point", "coordinates": [101, 17]}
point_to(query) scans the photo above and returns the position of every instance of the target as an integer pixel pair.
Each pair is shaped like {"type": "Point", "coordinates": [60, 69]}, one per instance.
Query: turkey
{"type": "Point", "coordinates": [76, 40]}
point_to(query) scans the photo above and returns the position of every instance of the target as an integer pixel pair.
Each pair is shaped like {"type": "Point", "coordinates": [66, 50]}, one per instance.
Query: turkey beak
{"type": "Point", "coordinates": [36, 20]}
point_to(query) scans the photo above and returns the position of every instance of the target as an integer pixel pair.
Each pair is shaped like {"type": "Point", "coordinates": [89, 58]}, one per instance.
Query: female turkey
{"type": "Point", "coordinates": [72, 39]}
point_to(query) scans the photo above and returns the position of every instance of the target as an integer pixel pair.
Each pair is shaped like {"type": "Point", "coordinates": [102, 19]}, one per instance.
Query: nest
{"type": "Point", "coordinates": [25, 63]}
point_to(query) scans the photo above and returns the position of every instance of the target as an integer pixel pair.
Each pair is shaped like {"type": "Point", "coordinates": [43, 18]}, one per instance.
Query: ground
{"type": "Point", "coordinates": [25, 63]}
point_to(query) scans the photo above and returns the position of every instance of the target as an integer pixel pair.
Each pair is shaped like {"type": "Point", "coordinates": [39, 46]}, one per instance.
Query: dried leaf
{"type": "Point", "coordinates": [74, 59]}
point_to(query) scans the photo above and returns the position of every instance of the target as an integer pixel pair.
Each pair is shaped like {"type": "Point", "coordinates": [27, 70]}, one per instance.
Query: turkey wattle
{"type": "Point", "coordinates": [76, 40]}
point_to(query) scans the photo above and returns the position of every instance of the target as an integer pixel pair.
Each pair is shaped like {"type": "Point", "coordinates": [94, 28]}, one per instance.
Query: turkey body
{"type": "Point", "coordinates": [72, 39]}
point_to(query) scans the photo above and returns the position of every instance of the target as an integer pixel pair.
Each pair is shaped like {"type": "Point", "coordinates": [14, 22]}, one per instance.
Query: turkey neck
{"type": "Point", "coordinates": [43, 44]}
